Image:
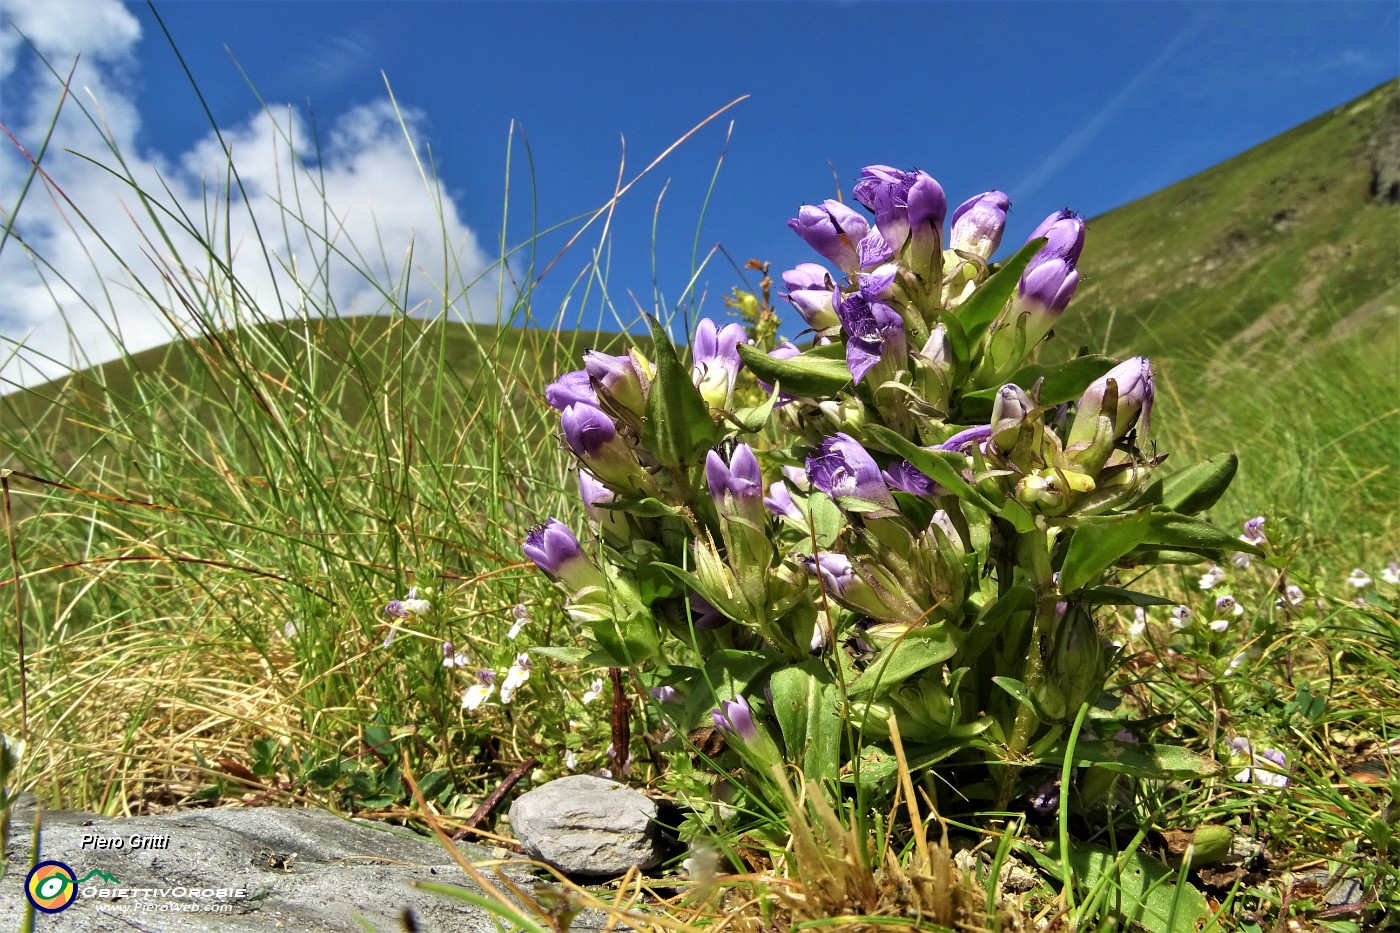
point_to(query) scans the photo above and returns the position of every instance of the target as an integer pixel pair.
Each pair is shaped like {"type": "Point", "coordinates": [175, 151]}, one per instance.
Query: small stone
{"type": "Point", "coordinates": [587, 825]}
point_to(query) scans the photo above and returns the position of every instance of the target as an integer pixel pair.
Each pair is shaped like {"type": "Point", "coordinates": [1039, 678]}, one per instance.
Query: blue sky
{"type": "Point", "coordinates": [1086, 105]}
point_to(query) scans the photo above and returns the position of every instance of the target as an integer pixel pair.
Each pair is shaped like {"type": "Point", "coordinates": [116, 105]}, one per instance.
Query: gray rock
{"type": "Point", "coordinates": [586, 825]}
{"type": "Point", "coordinates": [302, 870]}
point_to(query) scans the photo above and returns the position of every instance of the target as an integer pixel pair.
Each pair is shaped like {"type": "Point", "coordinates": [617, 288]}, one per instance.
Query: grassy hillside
{"type": "Point", "coordinates": [1266, 290]}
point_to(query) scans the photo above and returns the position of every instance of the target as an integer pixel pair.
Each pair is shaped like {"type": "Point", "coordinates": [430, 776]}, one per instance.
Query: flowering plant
{"type": "Point", "coordinates": [914, 530]}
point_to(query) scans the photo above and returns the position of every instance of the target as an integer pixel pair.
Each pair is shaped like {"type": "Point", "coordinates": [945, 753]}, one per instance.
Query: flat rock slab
{"type": "Point", "coordinates": [303, 870]}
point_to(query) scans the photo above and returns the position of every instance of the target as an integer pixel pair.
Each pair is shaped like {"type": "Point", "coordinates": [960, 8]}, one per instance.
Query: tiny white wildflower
{"type": "Point", "coordinates": [1181, 616]}
{"type": "Point", "coordinates": [1241, 559]}
{"type": "Point", "coordinates": [1391, 573]}
{"type": "Point", "coordinates": [594, 690]}
{"type": "Point", "coordinates": [1138, 627]}
{"type": "Point", "coordinates": [451, 658]}
{"type": "Point", "coordinates": [1219, 626]}
{"type": "Point", "coordinates": [1359, 579]}
{"type": "Point", "coordinates": [571, 759]}
{"type": "Point", "coordinates": [515, 677]}
{"type": "Point", "coordinates": [522, 616]}
{"type": "Point", "coordinates": [477, 694]}
{"type": "Point", "coordinates": [290, 629]}
{"type": "Point", "coordinates": [1212, 577]}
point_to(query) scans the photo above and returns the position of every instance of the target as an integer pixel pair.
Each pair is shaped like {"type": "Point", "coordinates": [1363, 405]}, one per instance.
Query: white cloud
{"type": "Point", "coordinates": [369, 214]}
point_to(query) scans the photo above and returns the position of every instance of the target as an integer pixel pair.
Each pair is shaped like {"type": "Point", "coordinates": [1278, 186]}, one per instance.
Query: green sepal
{"type": "Point", "coordinates": [807, 704]}
{"type": "Point", "coordinates": [1098, 543]}
{"type": "Point", "coordinates": [678, 425]}
{"type": "Point", "coordinates": [817, 373]}
{"type": "Point", "coordinates": [978, 312]}
{"type": "Point", "coordinates": [917, 510]}
{"type": "Point", "coordinates": [1193, 489]}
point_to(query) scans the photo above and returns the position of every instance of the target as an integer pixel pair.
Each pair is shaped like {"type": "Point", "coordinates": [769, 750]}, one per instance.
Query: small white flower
{"type": "Point", "coordinates": [515, 677]}
{"type": "Point", "coordinates": [1241, 559]}
{"type": "Point", "coordinates": [571, 759]}
{"type": "Point", "coordinates": [1181, 616]}
{"type": "Point", "coordinates": [1391, 573]}
{"type": "Point", "coordinates": [1359, 579]}
{"type": "Point", "coordinates": [1235, 662]}
{"type": "Point", "coordinates": [521, 617]}
{"type": "Point", "coordinates": [1219, 626]}
{"type": "Point", "coordinates": [1212, 577]}
{"type": "Point", "coordinates": [476, 695]}
{"type": "Point", "coordinates": [290, 630]}
{"type": "Point", "coordinates": [451, 658]}
{"type": "Point", "coordinates": [1293, 593]}
{"type": "Point", "coordinates": [1227, 606]}
{"type": "Point", "coordinates": [1138, 627]}
{"type": "Point", "coordinates": [594, 691]}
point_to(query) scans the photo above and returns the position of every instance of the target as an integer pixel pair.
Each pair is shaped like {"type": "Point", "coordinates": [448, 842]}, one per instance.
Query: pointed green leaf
{"type": "Point", "coordinates": [1116, 596]}
{"type": "Point", "coordinates": [979, 311]}
{"type": "Point", "coordinates": [807, 704]}
{"type": "Point", "coordinates": [753, 419]}
{"type": "Point", "coordinates": [1195, 488]}
{"type": "Point", "coordinates": [1173, 530]}
{"type": "Point", "coordinates": [678, 425]}
{"type": "Point", "coordinates": [817, 373]}
{"type": "Point", "coordinates": [919, 650]}
{"type": "Point", "coordinates": [1097, 543]}
{"type": "Point", "coordinates": [1157, 762]}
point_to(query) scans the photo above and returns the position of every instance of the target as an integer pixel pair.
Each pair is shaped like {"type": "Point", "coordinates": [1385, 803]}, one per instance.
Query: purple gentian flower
{"type": "Point", "coordinates": [906, 205]}
{"type": "Point", "coordinates": [1135, 392]}
{"type": "Point", "coordinates": [875, 333]}
{"type": "Point", "coordinates": [833, 230]}
{"type": "Point", "coordinates": [844, 468]}
{"type": "Point", "coordinates": [779, 502]}
{"type": "Point", "coordinates": [874, 250]}
{"type": "Point", "coordinates": [570, 388]}
{"type": "Point", "coordinates": [1050, 278]}
{"type": "Point", "coordinates": [837, 574]}
{"type": "Point", "coordinates": [964, 441]}
{"type": "Point", "coordinates": [736, 487]}
{"type": "Point", "coordinates": [735, 719]}
{"type": "Point", "coordinates": [978, 224]}
{"type": "Point", "coordinates": [717, 362]}
{"type": "Point", "coordinates": [810, 290]}
{"type": "Point", "coordinates": [618, 380]}
{"type": "Point", "coordinates": [704, 616]}
{"type": "Point", "coordinates": [905, 477]}
{"type": "Point", "coordinates": [555, 550]}
{"type": "Point", "coordinates": [665, 694]}
{"type": "Point", "coordinates": [591, 434]}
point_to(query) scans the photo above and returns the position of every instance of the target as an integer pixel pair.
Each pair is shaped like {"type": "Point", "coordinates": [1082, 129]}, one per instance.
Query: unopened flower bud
{"type": "Point", "coordinates": [978, 224]}
{"type": "Point", "coordinates": [810, 291]}
{"type": "Point", "coordinates": [555, 550]}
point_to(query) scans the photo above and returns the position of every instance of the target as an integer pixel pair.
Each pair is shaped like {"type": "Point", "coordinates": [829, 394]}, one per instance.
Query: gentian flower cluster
{"type": "Point", "coordinates": [927, 512]}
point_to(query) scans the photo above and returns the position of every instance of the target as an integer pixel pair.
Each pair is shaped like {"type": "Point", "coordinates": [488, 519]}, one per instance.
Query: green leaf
{"type": "Point", "coordinates": [567, 655]}
{"type": "Point", "coordinates": [627, 642]}
{"type": "Point", "coordinates": [325, 774]}
{"type": "Point", "coordinates": [1021, 693]}
{"type": "Point", "coordinates": [1141, 888]}
{"type": "Point", "coordinates": [756, 417]}
{"type": "Point", "coordinates": [807, 704]}
{"type": "Point", "coordinates": [1117, 596]}
{"type": "Point", "coordinates": [917, 509]}
{"type": "Point", "coordinates": [978, 312]}
{"type": "Point", "coordinates": [435, 783]}
{"type": "Point", "coordinates": [1193, 489]}
{"type": "Point", "coordinates": [942, 466]}
{"type": "Point", "coordinates": [817, 373]}
{"type": "Point", "coordinates": [919, 650]}
{"type": "Point", "coordinates": [827, 520]}
{"type": "Point", "coordinates": [1097, 543]}
{"type": "Point", "coordinates": [678, 425]}
{"type": "Point", "coordinates": [1157, 762]}
{"type": "Point", "coordinates": [1064, 382]}
{"type": "Point", "coordinates": [1173, 530]}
